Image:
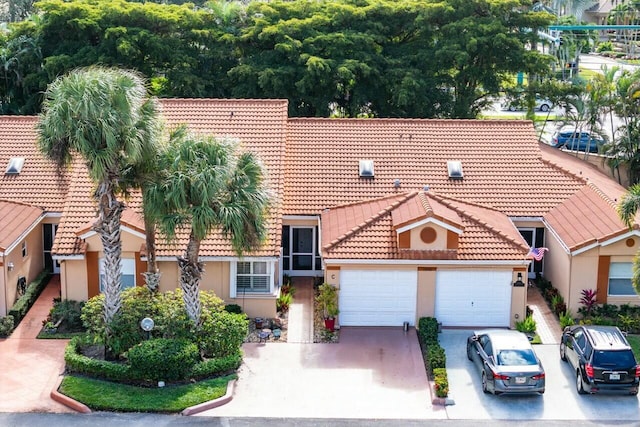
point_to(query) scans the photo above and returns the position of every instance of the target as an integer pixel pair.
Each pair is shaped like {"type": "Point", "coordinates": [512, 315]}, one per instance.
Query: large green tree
{"type": "Point", "coordinates": [207, 186]}
{"type": "Point", "coordinates": [106, 117]}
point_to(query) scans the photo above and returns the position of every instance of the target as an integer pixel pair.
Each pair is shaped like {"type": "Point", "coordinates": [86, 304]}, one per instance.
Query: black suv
{"type": "Point", "coordinates": [601, 358]}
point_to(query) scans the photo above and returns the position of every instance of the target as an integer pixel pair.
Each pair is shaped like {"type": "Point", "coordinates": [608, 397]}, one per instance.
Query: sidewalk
{"type": "Point", "coordinates": [548, 326]}
{"type": "Point", "coordinates": [301, 311]}
{"type": "Point", "coordinates": [29, 368]}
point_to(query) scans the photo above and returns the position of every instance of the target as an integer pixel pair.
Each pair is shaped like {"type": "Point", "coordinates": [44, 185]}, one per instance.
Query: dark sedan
{"type": "Point", "coordinates": [506, 361]}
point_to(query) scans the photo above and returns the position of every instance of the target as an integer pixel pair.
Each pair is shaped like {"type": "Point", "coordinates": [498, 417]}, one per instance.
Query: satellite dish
{"type": "Point", "coordinates": [147, 324]}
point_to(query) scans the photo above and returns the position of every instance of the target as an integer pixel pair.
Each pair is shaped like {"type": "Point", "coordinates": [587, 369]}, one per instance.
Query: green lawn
{"type": "Point", "coordinates": [634, 340]}
{"type": "Point", "coordinates": [105, 395]}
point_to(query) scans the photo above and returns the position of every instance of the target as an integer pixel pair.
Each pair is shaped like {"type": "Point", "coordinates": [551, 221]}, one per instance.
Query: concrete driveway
{"type": "Point", "coordinates": [371, 373]}
{"type": "Point", "coordinates": [560, 401]}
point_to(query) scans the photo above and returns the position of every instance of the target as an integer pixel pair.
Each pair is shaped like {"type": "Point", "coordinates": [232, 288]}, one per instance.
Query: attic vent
{"type": "Point", "coordinates": [455, 169]}
{"type": "Point", "coordinates": [15, 165]}
{"type": "Point", "coordinates": [366, 168]}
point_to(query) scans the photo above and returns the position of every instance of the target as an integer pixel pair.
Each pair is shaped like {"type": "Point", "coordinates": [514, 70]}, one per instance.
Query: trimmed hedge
{"type": "Point", "coordinates": [163, 359]}
{"type": "Point", "coordinates": [435, 358]}
{"type": "Point", "coordinates": [122, 373]}
{"type": "Point", "coordinates": [6, 326]}
{"type": "Point", "coordinates": [24, 303]}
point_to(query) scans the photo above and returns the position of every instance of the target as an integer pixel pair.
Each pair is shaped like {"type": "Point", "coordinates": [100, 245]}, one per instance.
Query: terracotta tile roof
{"type": "Point", "coordinates": [15, 219]}
{"type": "Point", "coordinates": [260, 125]}
{"type": "Point", "coordinates": [366, 230]}
{"type": "Point", "coordinates": [417, 208]}
{"type": "Point", "coordinates": [501, 163]}
{"type": "Point", "coordinates": [590, 214]}
{"type": "Point", "coordinates": [39, 183]}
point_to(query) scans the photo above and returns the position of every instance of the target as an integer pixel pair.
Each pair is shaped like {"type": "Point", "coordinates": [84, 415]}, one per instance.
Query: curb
{"type": "Point", "coordinates": [192, 410]}
{"type": "Point", "coordinates": [440, 401]}
{"type": "Point", "coordinates": [66, 400]}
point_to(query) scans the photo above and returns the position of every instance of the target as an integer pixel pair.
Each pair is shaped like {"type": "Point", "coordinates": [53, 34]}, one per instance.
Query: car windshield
{"type": "Point", "coordinates": [516, 358]}
{"type": "Point", "coordinates": [613, 358]}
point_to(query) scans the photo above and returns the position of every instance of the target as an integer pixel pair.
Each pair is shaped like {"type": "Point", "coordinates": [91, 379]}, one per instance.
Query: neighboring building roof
{"type": "Point", "coordinates": [39, 183]}
{"type": "Point", "coordinates": [500, 159]}
{"type": "Point", "coordinates": [366, 230]}
{"type": "Point", "coordinates": [16, 219]}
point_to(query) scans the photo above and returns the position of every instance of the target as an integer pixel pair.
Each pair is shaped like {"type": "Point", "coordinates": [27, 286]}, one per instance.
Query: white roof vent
{"type": "Point", "coordinates": [366, 168]}
{"type": "Point", "coordinates": [455, 169]}
{"type": "Point", "coordinates": [15, 165]}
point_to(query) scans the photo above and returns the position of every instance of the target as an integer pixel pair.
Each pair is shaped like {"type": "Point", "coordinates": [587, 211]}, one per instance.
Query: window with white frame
{"type": "Point", "coordinates": [24, 249]}
{"type": "Point", "coordinates": [128, 270]}
{"type": "Point", "coordinates": [253, 277]}
{"type": "Point", "coordinates": [620, 274]}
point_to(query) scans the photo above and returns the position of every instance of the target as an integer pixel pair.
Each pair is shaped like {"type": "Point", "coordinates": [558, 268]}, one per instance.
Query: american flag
{"type": "Point", "coordinates": [536, 253]}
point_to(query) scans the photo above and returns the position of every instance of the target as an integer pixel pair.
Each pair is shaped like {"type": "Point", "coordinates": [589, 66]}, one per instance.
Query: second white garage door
{"type": "Point", "coordinates": [473, 298]}
{"type": "Point", "coordinates": [377, 298]}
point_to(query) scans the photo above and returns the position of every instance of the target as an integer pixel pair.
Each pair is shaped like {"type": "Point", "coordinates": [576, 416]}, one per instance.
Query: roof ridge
{"type": "Point", "coordinates": [481, 222]}
{"type": "Point", "coordinates": [564, 170]}
{"type": "Point", "coordinates": [15, 202]}
{"type": "Point", "coordinates": [466, 202]}
{"type": "Point", "coordinates": [367, 201]}
{"type": "Point", "coordinates": [602, 195]}
{"type": "Point", "coordinates": [369, 221]}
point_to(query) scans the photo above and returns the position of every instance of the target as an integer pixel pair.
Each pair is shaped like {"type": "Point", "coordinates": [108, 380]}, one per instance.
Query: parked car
{"type": "Point", "coordinates": [506, 361]}
{"type": "Point", "coordinates": [543, 105]}
{"type": "Point", "coordinates": [601, 357]}
{"type": "Point", "coordinates": [577, 141]}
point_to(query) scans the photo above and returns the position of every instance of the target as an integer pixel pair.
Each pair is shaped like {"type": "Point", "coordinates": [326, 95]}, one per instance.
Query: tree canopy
{"type": "Point", "coordinates": [407, 58]}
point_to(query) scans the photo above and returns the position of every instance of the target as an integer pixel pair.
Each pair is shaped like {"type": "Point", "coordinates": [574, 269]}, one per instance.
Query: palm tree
{"type": "Point", "coordinates": [105, 116]}
{"type": "Point", "coordinates": [627, 210]}
{"type": "Point", "coordinates": [208, 186]}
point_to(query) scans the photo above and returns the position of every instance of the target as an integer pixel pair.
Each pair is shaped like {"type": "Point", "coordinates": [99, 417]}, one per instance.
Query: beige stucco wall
{"type": "Point", "coordinates": [438, 244]}
{"type": "Point", "coordinates": [426, 300]}
{"type": "Point", "coordinates": [73, 279]}
{"type": "Point", "coordinates": [557, 266]}
{"type": "Point", "coordinates": [130, 242]}
{"type": "Point", "coordinates": [518, 299]}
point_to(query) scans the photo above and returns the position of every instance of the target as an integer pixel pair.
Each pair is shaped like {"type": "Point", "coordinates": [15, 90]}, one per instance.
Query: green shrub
{"type": "Point", "coordinates": [441, 382]}
{"type": "Point", "coordinates": [6, 326]}
{"type": "Point", "coordinates": [628, 323]}
{"type": "Point", "coordinates": [428, 330]}
{"type": "Point", "coordinates": [527, 326]}
{"type": "Point", "coordinates": [67, 312]}
{"type": "Point", "coordinates": [24, 303]}
{"type": "Point", "coordinates": [558, 305]}
{"type": "Point", "coordinates": [216, 367]}
{"type": "Point", "coordinates": [163, 359]}
{"type": "Point", "coordinates": [566, 319]}
{"type": "Point", "coordinates": [283, 302]}
{"type": "Point", "coordinates": [437, 357]}
{"type": "Point", "coordinates": [78, 363]}
{"type": "Point", "coordinates": [221, 333]}
{"type": "Point", "coordinates": [233, 308]}
{"type": "Point", "coordinates": [604, 47]}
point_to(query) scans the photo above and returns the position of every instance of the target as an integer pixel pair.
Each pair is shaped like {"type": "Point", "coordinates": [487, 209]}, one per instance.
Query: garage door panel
{"type": "Point", "coordinates": [377, 298]}
{"type": "Point", "coordinates": [473, 298]}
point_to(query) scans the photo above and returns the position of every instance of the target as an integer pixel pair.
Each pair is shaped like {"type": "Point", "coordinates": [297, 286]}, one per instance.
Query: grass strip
{"type": "Point", "coordinates": [105, 395]}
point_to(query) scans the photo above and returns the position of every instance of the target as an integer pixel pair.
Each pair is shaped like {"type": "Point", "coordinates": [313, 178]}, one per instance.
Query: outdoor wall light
{"type": "Point", "coordinates": [10, 266]}
{"type": "Point", "coordinates": [518, 283]}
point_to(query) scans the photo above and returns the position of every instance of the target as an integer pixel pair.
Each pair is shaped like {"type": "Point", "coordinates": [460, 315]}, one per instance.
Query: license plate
{"type": "Point", "coordinates": [521, 380]}
{"type": "Point", "coordinates": [614, 376]}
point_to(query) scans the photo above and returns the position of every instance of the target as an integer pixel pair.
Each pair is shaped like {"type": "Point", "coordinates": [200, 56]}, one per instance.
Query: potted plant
{"type": "Point", "coordinates": [327, 299]}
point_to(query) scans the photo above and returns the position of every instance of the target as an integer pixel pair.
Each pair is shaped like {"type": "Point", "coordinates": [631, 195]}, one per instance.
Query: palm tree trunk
{"type": "Point", "coordinates": [152, 275]}
{"type": "Point", "coordinates": [190, 275]}
{"type": "Point", "coordinates": [108, 227]}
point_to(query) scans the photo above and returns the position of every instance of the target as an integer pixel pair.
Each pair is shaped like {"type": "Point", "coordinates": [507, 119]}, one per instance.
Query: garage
{"type": "Point", "coordinates": [377, 297]}
{"type": "Point", "coordinates": [473, 298]}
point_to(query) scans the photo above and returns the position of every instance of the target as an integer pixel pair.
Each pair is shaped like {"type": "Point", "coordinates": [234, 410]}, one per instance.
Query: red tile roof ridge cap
{"type": "Point", "coordinates": [480, 222]}
{"type": "Point", "coordinates": [15, 202]}
{"type": "Point", "coordinates": [566, 171]}
{"type": "Point", "coordinates": [403, 195]}
{"type": "Point", "coordinates": [409, 120]}
{"type": "Point", "coordinates": [602, 195]}
{"type": "Point", "coordinates": [33, 117]}
{"type": "Point", "coordinates": [369, 221]}
{"type": "Point", "coordinates": [226, 100]}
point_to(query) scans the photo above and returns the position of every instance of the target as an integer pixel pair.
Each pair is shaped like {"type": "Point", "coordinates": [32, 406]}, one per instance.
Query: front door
{"type": "Point", "coordinates": [300, 251]}
{"type": "Point", "coordinates": [535, 239]}
{"type": "Point", "coordinates": [49, 234]}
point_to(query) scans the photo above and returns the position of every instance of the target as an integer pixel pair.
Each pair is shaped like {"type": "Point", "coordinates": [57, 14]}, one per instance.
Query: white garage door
{"type": "Point", "coordinates": [473, 298]}
{"type": "Point", "coordinates": [377, 298]}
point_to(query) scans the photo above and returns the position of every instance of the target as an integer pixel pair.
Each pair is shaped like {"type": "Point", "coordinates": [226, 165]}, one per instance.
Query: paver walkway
{"type": "Point", "coordinates": [301, 311]}
{"type": "Point", "coordinates": [29, 368]}
{"type": "Point", "coordinates": [548, 326]}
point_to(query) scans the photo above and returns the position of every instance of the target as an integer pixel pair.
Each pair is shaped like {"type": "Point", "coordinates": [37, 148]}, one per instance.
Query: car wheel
{"type": "Point", "coordinates": [563, 352]}
{"type": "Point", "coordinates": [484, 383]}
{"type": "Point", "coordinates": [542, 392]}
{"type": "Point", "coordinates": [469, 352]}
{"type": "Point", "coordinates": [544, 108]}
{"type": "Point", "coordinates": [634, 392]}
{"type": "Point", "coordinates": [579, 383]}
